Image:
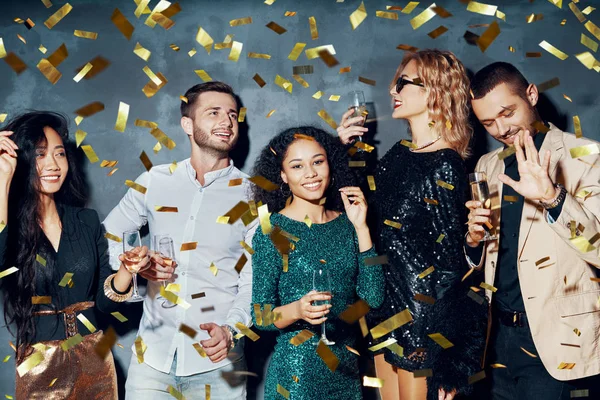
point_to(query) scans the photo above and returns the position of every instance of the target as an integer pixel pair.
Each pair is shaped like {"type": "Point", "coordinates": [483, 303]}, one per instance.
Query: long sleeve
{"type": "Point", "coordinates": [3, 247]}
{"type": "Point", "coordinates": [129, 214]}
{"type": "Point", "coordinates": [370, 282]}
{"type": "Point", "coordinates": [240, 311]}
{"type": "Point", "coordinates": [267, 266]}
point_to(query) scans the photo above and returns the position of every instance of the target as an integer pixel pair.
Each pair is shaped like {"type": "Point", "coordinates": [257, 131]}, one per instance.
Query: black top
{"type": "Point", "coordinates": [83, 251]}
{"type": "Point", "coordinates": [407, 185]}
{"type": "Point", "coordinates": [508, 296]}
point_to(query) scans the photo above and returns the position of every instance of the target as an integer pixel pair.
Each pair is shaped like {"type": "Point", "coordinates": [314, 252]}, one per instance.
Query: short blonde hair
{"type": "Point", "coordinates": [447, 87]}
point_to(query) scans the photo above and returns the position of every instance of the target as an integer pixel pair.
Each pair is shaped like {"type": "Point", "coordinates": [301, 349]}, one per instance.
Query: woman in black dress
{"type": "Point", "coordinates": [419, 218]}
{"type": "Point", "coordinates": [44, 237]}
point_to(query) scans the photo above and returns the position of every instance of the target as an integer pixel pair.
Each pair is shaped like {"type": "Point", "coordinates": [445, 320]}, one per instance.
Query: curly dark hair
{"type": "Point", "coordinates": [269, 165]}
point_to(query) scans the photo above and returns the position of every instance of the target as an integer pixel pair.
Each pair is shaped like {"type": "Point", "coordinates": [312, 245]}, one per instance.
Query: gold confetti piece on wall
{"type": "Point", "coordinates": [588, 10]}
{"type": "Point", "coordinates": [174, 47]}
{"type": "Point", "coordinates": [382, 345]}
{"type": "Point", "coordinates": [313, 52]}
{"type": "Point", "coordinates": [79, 136]}
{"type": "Point", "coordinates": [593, 29]}
{"type": "Point", "coordinates": [29, 363]}
{"type": "Point", "coordinates": [547, 85]}
{"type": "Point", "coordinates": [142, 8]}
{"type": "Point", "coordinates": [366, 80]}
{"type": "Point", "coordinates": [328, 356]}
{"type": "Point", "coordinates": [490, 34]}
{"type": "Point", "coordinates": [511, 49]}
{"type": "Point", "coordinates": [587, 59]}
{"type": "Point", "coordinates": [329, 59]}
{"type": "Point", "coordinates": [90, 153]}
{"type": "Point", "coordinates": [202, 74]}
{"type": "Point", "coordinates": [577, 125]}
{"type": "Point", "coordinates": [83, 72]}
{"type": "Point", "coordinates": [533, 54]}
{"type": "Point", "coordinates": [302, 69]}
{"type": "Point", "coordinates": [240, 21]}
{"type": "Point", "coordinates": [441, 11]}
{"type": "Point", "coordinates": [534, 17]}
{"type": "Point", "coordinates": [259, 55]}
{"type": "Point", "coordinates": [41, 300]}
{"type": "Point", "coordinates": [372, 382]}
{"type": "Point", "coordinates": [290, 14]}
{"type": "Point", "coordinates": [423, 17]}
{"type": "Point", "coordinates": [327, 118]}
{"type": "Point", "coordinates": [90, 109]}
{"type": "Point", "coordinates": [90, 327]}
{"type": "Point", "coordinates": [441, 340]}
{"type": "Point", "coordinates": [48, 70]}
{"type": "Point", "coordinates": [275, 27]}
{"type": "Point", "coordinates": [284, 84]}
{"type": "Point", "coordinates": [21, 38]}
{"type": "Point", "coordinates": [163, 138]}
{"type": "Point", "coordinates": [296, 51]}
{"type": "Point", "coordinates": [426, 272]}
{"type": "Point", "coordinates": [439, 31]}
{"type": "Point", "coordinates": [236, 50]}
{"type": "Point", "coordinates": [122, 24]}
{"type": "Point", "coordinates": [301, 337]}
{"type": "Point", "coordinates": [589, 43]}
{"type": "Point", "coordinates": [487, 286]}
{"type": "Point", "coordinates": [586, 150]}
{"type": "Point", "coordinates": [47, 3]}
{"type": "Point", "coordinates": [58, 16]}
{"type": "Point", "coordinates": [343, 70]}
{"type": "Point", "coordinates": [3, 50]}
{"type": "Point", "coordinates": [152, 76]}
{"type": "Point", "coordinates": [318, 95]}
{"type": "Point", "coordinates": [65, 279]}
{"type": "Point", "coordinates": [204, 39]}
{"type": "Point", "coordinates": [122, 116]}
{"type": "Point", "coordinates": [553, 50]}
{"type": "Point", "coordinates": [410, 7]}
{"type": "Point", "coordinates": [386, 15]}
{"type": "Point", "coordinates": [40, 260]}
{"type": "Point", "coordinates": [301, 81]}
{"type": "Point", "coordinates": [391, 323]}
{"type": "Point", "coordinates": [86, 34]}
{"type": "Point", "coordinates": [259, 80]}
{"type": "Point", "coordinates": [71, 342]}
{"type": "Point", "coordinates": [242, 114]}
{"type": "Point", "coordinates": [314, 33]}
{"type": "Point", "coordinates": [481, 8]}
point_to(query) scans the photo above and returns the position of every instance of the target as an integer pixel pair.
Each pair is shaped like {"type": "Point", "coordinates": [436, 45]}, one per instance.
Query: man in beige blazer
{"type": "Point", "coordinates": [541, 267]}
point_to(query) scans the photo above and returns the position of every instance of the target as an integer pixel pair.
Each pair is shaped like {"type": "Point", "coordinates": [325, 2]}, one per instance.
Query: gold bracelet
{"type": "Point", "coordinates": [112, 295]}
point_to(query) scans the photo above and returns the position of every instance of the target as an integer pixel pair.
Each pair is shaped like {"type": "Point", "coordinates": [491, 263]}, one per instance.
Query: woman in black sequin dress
{"type": "Point", "coordinates": [419, 220]}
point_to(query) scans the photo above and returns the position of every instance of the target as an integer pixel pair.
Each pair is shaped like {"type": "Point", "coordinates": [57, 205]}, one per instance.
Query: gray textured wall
{"type": "Point", "coordinates": [370, 50]}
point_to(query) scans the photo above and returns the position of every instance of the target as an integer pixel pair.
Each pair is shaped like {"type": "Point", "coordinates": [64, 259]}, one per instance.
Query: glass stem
{"type": "Point", "coordinates": [135, 286]}
{"type": "Point", "coordinates": [323, 335]}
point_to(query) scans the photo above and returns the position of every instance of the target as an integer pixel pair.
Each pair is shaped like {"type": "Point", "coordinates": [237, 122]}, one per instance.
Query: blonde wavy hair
{"type": "Point", "coordinates": [447, 87]}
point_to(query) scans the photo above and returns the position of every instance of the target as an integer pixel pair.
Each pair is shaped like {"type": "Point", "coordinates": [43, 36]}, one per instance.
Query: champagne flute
{"type": "Point", "coordinates": [322, 284]}
{"type": "Point", "coordinates": [163, 244]}
{"type": "Point", "coordinates": [131, 240]}
{"type": "Point", "coordinates": [359, 106]}
{"type": "Point", "coordinates": [480, 192]}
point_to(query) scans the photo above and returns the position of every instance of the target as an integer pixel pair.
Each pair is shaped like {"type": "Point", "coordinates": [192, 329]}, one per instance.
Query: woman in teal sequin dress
{"type": "Point", "coordinates": [311, 165]}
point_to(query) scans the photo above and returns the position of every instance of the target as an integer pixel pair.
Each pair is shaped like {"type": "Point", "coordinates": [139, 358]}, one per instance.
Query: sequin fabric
{"type": "Point", "coordinates": [334, 242]}
{"type": "Point", "coordinates": [408, 193]}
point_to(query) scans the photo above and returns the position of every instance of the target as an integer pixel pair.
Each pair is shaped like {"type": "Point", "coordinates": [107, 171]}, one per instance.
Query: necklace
{"type": "Point", "coordinates": [426, 144]}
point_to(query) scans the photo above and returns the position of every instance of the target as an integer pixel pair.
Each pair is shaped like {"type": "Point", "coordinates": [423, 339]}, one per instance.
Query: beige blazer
{"type": "Point", "coordinates": [555, 274]}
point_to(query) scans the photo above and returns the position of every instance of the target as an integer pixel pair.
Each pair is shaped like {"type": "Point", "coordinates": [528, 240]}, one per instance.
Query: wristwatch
{"type": "Point", "coordinates": [561, 196]}
{"type": "Point", "coordinates": [233, 332]}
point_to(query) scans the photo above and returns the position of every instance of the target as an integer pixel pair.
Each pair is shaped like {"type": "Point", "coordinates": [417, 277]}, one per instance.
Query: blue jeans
{"type": "Point", "coordinates": [145, 383]}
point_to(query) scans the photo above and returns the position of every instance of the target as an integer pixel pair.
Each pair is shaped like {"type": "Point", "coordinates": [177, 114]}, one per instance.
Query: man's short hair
{"type": "Point", "coordinates": [192, 94]}
{"type": "Point", "coordinates": [496, 74]}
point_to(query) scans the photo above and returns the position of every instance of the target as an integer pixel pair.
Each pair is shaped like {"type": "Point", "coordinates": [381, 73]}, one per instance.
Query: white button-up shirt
{"type": "Point", "coordinates": [228, 292]}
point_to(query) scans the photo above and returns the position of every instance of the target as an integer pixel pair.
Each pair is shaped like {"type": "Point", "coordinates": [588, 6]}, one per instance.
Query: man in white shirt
{"type": "Point", "coordinates": [213, 274]}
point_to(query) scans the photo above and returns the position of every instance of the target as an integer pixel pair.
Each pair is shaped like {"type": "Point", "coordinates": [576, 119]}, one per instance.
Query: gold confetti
{"type": "Point", "coordinates": [534, 17]}
{"type": "Point", "coordinates": [2, 224]}
{"type": "Point", "coordinates": [136, 186]}
{"type": "Point", "coordinates": [174, 392]}
{"type": "Point", "coordinates": [90, 153]}
{"type": "Point", "coordinates": [582, 244]}
{"type": "Point", "coordinates": [366, 80]}
{"type": "Point", "coordinates": [382, 345]}
{"type": "Point", "coordinates": [29, 363]}
{"type": "Point", "coordinates": [204, 39]}
{"type": "Point", "coordinates": [40, 260]}
{"type": "Point", "coordinates": [588, 10]}
{"type": "Point", "coordinates": [354, 164]}
{"type": "Point", "coordinates": [423, 17]}
{"type": "Point", "coordinates": [410, 7]}
{"type": "Point", "coordinates": [328, 357]}
{"type": "Point", "coordinates": [300, 80]}
{"type": "Point", "coordinates": [108, 164]}
{"type": "Point", "coordinates": [152, 76]}
{"type": "Point", "coordinates": [86, 34]}
{"type": "Point", "coordinates": [424, 298]}
{"type": "Point", "coordinates": [140, 349]}
{"type": "Point", "coordinates": [351, 350]}
{"type": "Point", "coordinates": [47, 3]}
{"type": "Point", "coordinates": [264, 183]}
{"type": "Point", "coordinates": [213, 268]}
{"type": "Point", "coordinates": [48, 70]}
{"type": "Point", "coordinates": [90, 109]}
{"type": "Point", "coordinates": [122, 24]}
{"type": "Point", "coordinates": [307, 221]}
{"type": "Point", "coordinates": [372, 382]}
{"type": "Point", "coordinates": [174, 47]}
{"type": "Point", "coordinates": [83, 72]}
{"type": "Point", "coordinates": [509, 151]}
{"type": "Point", "coordinates": [327, 118]}
{"type": "Point", "coordinates": [497, 365]}
{"type": "Point", "coordinates": [142, 8]}
{"type": "Point", "coordinates": [290, 14]}
{"type": "Point", "coordinates": [511, 49]}
{"type": "Point", "coordinates": [587, 59]}
{"type": "Point", "coordinates": [393, 224]}
{"type": "Point", "coordinates": [110, 236]}
{"type": "Point", "coordinates": [284, 84]}
{"type": "Point", "coordinates": [481, 8]}
{"type": "Point", "coordinates": [21, 38]}
{"type": "Point", "coordinates": [426, 272]}
{"type": "Point", "coordinates": [3, 50]}
{"type": "Point", "coordinates": [259, 55]}
{"type": "Point", "coordinates": [589, 42]}
{"type": "Point", "coordinates": [564, 365]}
{"type": "Point", "coordinates": [511, 199]}
{"type": "Point", "coordinates": [15, 63]}
{"type": "Point", "coordinates": [240, 21]}
{"type": "Point", "coordinates": [329, 60]}
{"type": "Point", "coordinates": [65, 279]}
{"type": "Point", "coordinates": [122, 116]}
{"type": "Point", "coordinates": [391, 323]}
{"type": "Point", "coordinates": [165, 209]}
{"type": "Point", "coordinates": [423, 373]}
{"type": "Point", "coordinates": [582, 151]}
{"type": "Point", "coordinates": [58, 16]}
{"type": "Point", "coordinates": [250, 334]}
{"type": "Point", "coordinates": [298, 47]}
{"type": "Point", "coordinates": [275, 27]}
{"type": "Point", "coordinates": [441, 340]}
{"type": "Point", "coordinates": [440, 238]}
{"type": "Point", "coordinates": [445, 185]}
{"type": "Point", "coordinates": [487, 286]}
{"type": "Point", "coordinates": [301, 337]}
{"type": "Point", "coordinates": [553, 50]}
{"type": "Point", "coordinates": [490, 34]}
{"type": "Point", "coordinates": [240, 263]}
{"type": "Point", "coordinates": [188, 330]}
{"type": "Point", "coordinates": [577, 125]}
{"type": "Point", "coordinates": [533, 54]}
{"type": "Point", "coordinates": [302, 69]}
{"type": "Point", "coordinates": [87, 323]}
{"type": "Point", "coordinates": [593, 29]}
{"type": "Point", "coordinates": [236, 49]}
{"type": "Point", "coordinates": [580, 393]}
{"type": "Point", "coordinates": [313, 53]}
{"type": "Point", "coordinates": [314, 33]}
{"type": "Point", "coordinates": [476, 377]}
{"type": "Point", "coordinates": [41, 300]}
{"type": "Point", "coordinates": [71, 342]}
{"type": "Point", "coordinates": [387, 15]}
{"type": "Point", "coordinates": [430, 201]}
{"type": "Point", "coordinates": [283, 391]}
{"type": "Point", "coordinates": [318, 95]}
{"type": "Point", "coordinates": [188, 246]}
{"type": "Point", "coordinates": [437, 32]}
{"type": "Point", "coordinates": [547, 85]}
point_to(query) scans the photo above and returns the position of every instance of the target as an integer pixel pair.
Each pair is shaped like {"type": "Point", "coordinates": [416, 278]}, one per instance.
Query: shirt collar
{"type": "Point", "coordinates": [211, 176]}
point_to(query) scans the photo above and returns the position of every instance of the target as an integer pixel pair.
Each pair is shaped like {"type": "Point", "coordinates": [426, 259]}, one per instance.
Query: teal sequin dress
{"type": "Point", "coordinates": [299, 369]}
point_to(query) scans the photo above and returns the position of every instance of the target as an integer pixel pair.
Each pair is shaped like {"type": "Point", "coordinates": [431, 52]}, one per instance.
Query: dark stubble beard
{"type": "Point", "coordinates": [221, 149]}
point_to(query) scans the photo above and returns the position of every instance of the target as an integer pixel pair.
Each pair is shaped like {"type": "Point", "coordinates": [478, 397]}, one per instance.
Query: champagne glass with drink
{"type": "Point", "coordinates": [359, 106]}
{"type": "Point", "coordinates": [480, 192]}
{"type": "Point", "coordinates": [131, 242]}
{"type": "Point", "coordinates": [322, 284]}
{"type": "Point", "coordinates": [163, 244]}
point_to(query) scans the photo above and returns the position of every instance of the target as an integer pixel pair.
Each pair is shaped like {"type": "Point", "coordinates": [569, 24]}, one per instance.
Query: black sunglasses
{"type": "Point", "coordinates": [401, 82]}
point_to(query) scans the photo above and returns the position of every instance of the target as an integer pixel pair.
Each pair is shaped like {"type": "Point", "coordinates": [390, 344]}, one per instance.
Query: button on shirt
{"type": "Point", "coordinates": [227, 294]}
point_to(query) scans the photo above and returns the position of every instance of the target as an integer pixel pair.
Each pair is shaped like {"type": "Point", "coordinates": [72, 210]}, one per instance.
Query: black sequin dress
{"type": "Point", "coordinates": [426, 192]}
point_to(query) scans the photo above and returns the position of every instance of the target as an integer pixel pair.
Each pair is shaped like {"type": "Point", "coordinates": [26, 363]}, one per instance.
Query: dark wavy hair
{"type": "Point", "coordinates": [25, 236]}
{"type": "Point", "coordinates": [270, 161]}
